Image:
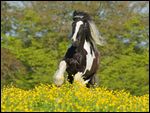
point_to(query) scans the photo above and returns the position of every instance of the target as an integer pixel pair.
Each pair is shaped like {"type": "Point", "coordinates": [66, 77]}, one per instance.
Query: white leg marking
{"type": "Point", "coordinates": [59, 75]}
{"type": "Point", "coordinates": [85, 82]}
{"type": "Point", "coordinates": [78, 77]}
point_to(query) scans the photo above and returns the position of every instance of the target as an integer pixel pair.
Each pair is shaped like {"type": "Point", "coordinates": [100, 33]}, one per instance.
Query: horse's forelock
{"type": "Point", "coordinates": [81, 15]}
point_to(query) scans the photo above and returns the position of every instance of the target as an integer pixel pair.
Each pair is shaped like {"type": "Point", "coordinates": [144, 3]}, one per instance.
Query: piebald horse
{"type": "Point", "coordinates": [81, 60]}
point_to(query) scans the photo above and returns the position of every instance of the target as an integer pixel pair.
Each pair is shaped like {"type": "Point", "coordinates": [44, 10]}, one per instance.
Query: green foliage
{"type": "Point", "coordinates": [126, 72]}
{"type": "Point", "coordinates": [12, 69]}
{"type": "Point", "coordinates": [40, 61]}
{"type": "Point", "coordinates": [71, 98]}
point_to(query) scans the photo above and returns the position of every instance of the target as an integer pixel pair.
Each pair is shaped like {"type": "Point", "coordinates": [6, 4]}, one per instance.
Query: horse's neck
{"type": "Point", "coordinates": [86, 37]}
{"type": "Point", "coordinates": [80, 48]}
{"type": "Point", "coordinates": [90, 42]}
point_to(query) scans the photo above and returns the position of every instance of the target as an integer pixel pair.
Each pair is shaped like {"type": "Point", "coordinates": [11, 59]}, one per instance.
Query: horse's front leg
{"type": "Point", "coordinates": [59, 75]}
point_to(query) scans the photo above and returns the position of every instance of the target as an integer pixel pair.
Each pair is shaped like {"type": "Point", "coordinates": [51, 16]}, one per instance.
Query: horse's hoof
{"type": "Point", "coordinates": [59, 81]}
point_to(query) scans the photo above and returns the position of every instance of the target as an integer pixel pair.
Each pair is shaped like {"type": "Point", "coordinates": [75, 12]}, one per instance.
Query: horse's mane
{"type": "Point", "coordinates": [96, 37]}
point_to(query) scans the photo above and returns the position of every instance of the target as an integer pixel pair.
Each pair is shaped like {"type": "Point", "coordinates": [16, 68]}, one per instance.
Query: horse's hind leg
{"type": "Point", "coordinates": [59, 75]}
{"type": "Point", "coordinates": [70, 78]}
{"type": "Point", "coordinates": [94, 81]}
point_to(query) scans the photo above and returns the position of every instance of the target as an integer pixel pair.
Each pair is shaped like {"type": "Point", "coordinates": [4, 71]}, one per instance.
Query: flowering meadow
{"type": "Point", "coordinates": [70, 98]}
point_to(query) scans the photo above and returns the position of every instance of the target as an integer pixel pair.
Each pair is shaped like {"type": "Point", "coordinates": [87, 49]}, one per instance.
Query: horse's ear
{"type": "Point", "coordinates": [74, 13]}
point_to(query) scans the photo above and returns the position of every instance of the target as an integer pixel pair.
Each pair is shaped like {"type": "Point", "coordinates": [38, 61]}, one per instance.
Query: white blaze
{"type": "Point", "coordinates": [89, 57]}
{"type": "Point", "coordinates": [78, 24]}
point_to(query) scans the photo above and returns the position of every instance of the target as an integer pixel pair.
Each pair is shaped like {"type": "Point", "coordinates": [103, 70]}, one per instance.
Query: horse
{"type": "Point", "coordinates": [82, 57]}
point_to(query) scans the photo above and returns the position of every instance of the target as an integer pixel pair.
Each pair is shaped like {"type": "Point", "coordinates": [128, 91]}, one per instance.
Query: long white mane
{"type": "Point", "coordinates": [97, 38]}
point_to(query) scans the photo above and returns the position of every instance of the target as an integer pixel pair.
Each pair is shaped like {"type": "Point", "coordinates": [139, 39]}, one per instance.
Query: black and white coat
{"type": "Point", "coordinates": [81, 60]}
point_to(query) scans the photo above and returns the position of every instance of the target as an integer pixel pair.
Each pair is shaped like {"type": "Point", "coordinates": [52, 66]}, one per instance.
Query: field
{"type": "Point", "coordinates": [70, 98]}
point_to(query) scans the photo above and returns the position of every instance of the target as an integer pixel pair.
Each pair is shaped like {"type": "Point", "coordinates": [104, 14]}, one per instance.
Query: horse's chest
{"type": "Point", "coordinates": [90, 56]}
{"type": "Point", "coordinates": [80, 61]}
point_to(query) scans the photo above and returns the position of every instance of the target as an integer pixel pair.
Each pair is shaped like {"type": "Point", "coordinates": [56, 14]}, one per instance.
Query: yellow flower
{"type": "Point", "coordinates": [74, 97]}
